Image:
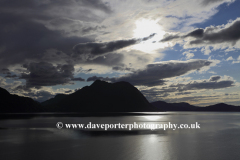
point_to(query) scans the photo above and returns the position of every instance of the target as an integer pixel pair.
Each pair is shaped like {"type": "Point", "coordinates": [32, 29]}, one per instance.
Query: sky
{"type": "Point", "coordinates": [171, 50]}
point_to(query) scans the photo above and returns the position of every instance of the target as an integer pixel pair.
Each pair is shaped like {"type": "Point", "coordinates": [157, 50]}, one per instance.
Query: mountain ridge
{"type": "Point", "coordinates": [100, 96]}
{"type": "Point", "coordinates": [110, 97]}
{"type": "Point", "coordinates": [183, 106]}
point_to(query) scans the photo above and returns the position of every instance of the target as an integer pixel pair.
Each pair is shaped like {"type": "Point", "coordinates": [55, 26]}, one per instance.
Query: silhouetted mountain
{"type": "Point", "coordinates": [99, 97]}
{"type": "Point", "coordinates": [221, 107]}
{"type": "Point", "coordinates": [174, 106]}
{"type": "Point", "coordinates": [54, 100]}
{"type": "Point", "coordinates": [102, 96]}
{"type": "Point", "coordinates": [16, 104]}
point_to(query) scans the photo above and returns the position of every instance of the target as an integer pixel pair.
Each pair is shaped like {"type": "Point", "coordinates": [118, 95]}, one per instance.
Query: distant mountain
{"type": "Point", "coordinates": [54, 100]}
{"type": "Point", "coordinates": [101, 96]}
{"type": "Point", "coordinates": [16, 104]}
{"type": "Point", "coordinates": [174, 106]}
{"type": "Point", "coordinates": [221, 107]}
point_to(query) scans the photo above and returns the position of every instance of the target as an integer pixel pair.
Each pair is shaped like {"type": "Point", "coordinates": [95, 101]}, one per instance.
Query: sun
{"type": "Point", "coordinates": [144, 28]}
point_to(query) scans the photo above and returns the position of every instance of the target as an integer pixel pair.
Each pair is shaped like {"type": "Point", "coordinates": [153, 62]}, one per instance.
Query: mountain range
{"type": "Point", "coordinates": [99, 97]}
{"type": "Point", "coordinates": [220, 107]}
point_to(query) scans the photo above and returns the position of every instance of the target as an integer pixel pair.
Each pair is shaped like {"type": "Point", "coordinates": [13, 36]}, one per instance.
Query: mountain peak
{"type": "Point", "coordinates": [99, 83]}
{"type": "Point", "coordinates": [102, 96]}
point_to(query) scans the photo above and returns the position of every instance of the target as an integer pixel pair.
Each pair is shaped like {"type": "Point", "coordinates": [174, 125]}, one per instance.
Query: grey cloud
{"type": "Point", "coordinates": [69, 91]}
{"type": "Point", "coordinates": [78, 79]}
{"type": "Point", "coordinates": [122, 68]}
{"type": "Point", "coordinates": [70, 27]}
{"type": "Point", "coordinates": [84, 70]}
{"type": "Point", "coordinates": [110, 59]}
{"type": "Point", "coordinates": [211, 35]}
{"type": "Point", "coordinates": [11, 76]}
{"type": "Point", "coordinates": [94, 78]}
{"type": "Point", "coordinates": [26, 40]}
{"type": "Point", "coordinates": [206, 85]}
{"type": "Point", "coordinates": [214, 82]}
{"type": "Point", "coordinates": [26, 35]}
{"type": "Point", "coordinates": [5, 71]}
{"type": "Point", "coordinates": [45, 74]}
{"type": "Point", "coordinates": [45, 6]}
{"type": "Point", "coordinates": [229, 34]}
{"type": "Point", "coordinates": [184, 93]}
{"type": "Point", "coordinates": [215, 78]}
{"type": "Point", "coordinates": [97, 4]}
{"type": "Point", "coordinates": [168, 37]}
{"type": "Point", "coordinates": [149, 37]}
{"type": "Point", "coordinates": [185, 89]}
{"type": "Point", "coordinates": [154, 74]}
{"type": "Point", "coordinates": [197, 33]}
{"type": "Point", "coordinates": [92, 50]}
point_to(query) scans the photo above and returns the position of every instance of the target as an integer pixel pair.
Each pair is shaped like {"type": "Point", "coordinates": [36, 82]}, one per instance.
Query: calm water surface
{"type": "Point", "coordinates": [39, 139]}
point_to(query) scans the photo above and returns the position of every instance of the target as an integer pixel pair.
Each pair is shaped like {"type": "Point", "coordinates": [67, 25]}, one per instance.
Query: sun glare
{"type": "Point", "coordinates": [144, 28]}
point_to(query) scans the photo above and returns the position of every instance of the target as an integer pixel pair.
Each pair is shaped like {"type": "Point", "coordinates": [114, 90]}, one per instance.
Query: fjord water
{"type": "Point", "coordinates": [38, 138]}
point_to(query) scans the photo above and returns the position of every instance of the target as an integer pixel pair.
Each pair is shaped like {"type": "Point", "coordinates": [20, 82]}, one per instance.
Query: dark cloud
{"type": "Point", "coordinates": [60, 5]}
{"type": "Point", "coordinates": [168, 37]}
{"type": "Point", "coordinates": [149, 37]}
{"type": "Point", "coordinates": [26, 31]}
{"type": "Point", "coordinates": [94, 78]}
{"type": "Point", "coordinates": [215, 78]}
{"type": "Point", "coordinates": [198, 33]}
{"type": "Point", "coordinates": [214, 82]}
{"type": "Point", "coordinates": [122, 68]}
{"type": "Point", "coordinates": [192, 87]}
{"type": "Point", "coordinates": [211, 35]}
{"type": "Point", "coordinates": [154, 74]}
{"type": "Point", "coordinates": [92, 50]}
{"type": "Point", "coordinates": [45, 74]}
{"type": "Point", "coordinates": [69, 91]}
{"type": "Point", "coordinates": [26, 40]}
{"type": "Point", "coordinates": [96, 4]}
{"type": "Point", "coordinates": [229, 34]}
{"type": "Point", "coordinates": [11, 76]}
{"type": "Point", "coordinates": [184, 93]}
{"type": "Point", "coordinates": [78, 79]}
{"type": "Point", "coordinates": [110, 59]}
{"type": "Point", "coordinates": [5, 71]}
{"type": "Point", "coordinates": [205, 85]}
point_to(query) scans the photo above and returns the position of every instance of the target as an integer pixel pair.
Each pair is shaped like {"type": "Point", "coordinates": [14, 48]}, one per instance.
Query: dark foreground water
{"type": "Point", "coordinates": [38, 138]}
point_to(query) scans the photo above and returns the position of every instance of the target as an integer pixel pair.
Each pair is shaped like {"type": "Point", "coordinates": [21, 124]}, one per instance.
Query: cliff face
{"type": "Point", "coordinates": [104, 97]}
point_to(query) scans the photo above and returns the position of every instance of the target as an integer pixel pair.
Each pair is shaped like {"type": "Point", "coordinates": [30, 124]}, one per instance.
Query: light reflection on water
{"type": "Point", "coordinates": [37, 138]}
